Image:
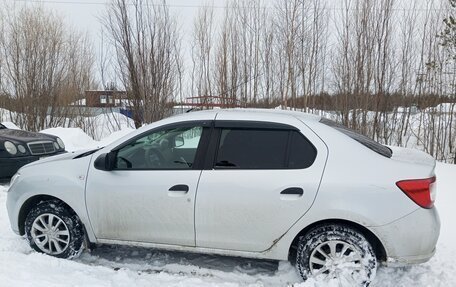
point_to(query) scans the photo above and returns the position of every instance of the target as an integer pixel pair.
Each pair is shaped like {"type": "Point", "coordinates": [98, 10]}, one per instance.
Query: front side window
{"type": "Point", "coordinates": [166, 149]}
{"type": "Point", "coordinates": [252, 149]}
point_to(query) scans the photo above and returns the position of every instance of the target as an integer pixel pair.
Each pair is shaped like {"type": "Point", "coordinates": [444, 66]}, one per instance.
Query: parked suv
{"type": "Point", "coordinates": [250, 183]}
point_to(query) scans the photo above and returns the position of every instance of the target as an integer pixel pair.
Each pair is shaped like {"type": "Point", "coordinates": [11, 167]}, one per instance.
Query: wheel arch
{"type": "Point", "coordinates": [377, 245]}
{"type": "Point", "coordinates": [32, 202]}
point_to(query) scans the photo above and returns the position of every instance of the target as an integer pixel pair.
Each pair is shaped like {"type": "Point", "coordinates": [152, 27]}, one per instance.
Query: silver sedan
{"type": "Point", "coordinates": [251, 183]}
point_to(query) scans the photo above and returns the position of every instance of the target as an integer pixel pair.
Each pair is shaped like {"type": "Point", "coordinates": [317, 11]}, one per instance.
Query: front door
{"type": "Point", "coordinates": [149, 196]}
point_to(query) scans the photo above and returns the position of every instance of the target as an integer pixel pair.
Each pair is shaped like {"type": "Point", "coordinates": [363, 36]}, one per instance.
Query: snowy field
{"type": "Point", "coordinates": [126, 266]}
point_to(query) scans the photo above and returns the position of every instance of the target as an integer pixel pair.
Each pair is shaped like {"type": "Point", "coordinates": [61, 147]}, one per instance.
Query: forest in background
{"type": "Point", "coordinates": [385, 68]}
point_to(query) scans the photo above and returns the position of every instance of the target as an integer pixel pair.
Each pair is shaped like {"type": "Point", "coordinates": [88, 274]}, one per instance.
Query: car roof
{"type": "Point", "coordinates": [239, 113]}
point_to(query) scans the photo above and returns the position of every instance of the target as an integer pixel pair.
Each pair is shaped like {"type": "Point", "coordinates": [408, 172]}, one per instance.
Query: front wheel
{"type": "Point", "coordinates": [336, 253]}
{"type": "Point", "coordinates": [54, 229]}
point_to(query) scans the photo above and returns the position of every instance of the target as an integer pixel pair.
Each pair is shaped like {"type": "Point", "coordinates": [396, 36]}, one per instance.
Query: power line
{"type": "Point", "coordinates": [213, 6]}
{"type": "Point", "coordinates": [106, 3]}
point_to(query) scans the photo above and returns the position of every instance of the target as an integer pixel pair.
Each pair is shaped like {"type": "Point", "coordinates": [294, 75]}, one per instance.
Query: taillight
{"type": "Point", "coordinates": [421, 191]}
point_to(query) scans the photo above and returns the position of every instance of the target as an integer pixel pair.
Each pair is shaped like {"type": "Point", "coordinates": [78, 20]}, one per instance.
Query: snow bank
{"type": "Point", "coordinates": [10, 125]}
{"type": "Point", "coordinates": [73, 138]}
{"type": "Point", "coordinates": [97, 127]}
{"type": "Point", "coordinates": [443, 108]}
{"type": "Point", "coordinates": [103, 125]}
{"type": "Point", "coordinates": [76, 139]}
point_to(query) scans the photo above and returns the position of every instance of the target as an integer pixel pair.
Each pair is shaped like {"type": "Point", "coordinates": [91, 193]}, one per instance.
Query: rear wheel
{"type": "Point", "coordinates": [336, 253]}
{"type": "Point", "coordinates": [52, 228]}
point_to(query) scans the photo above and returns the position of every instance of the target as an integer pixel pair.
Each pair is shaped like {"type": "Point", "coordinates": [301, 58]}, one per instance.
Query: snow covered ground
{"type": "Point", "coordinates": [127, 266]}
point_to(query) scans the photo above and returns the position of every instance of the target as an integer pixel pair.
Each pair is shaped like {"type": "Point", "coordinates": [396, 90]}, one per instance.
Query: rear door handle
{"type": "Point", "coordinates": [179, 187]}
{"type": "Point", "coordinates": [178, 190]}
{"type": "Point", "coordinates": [293, 191]}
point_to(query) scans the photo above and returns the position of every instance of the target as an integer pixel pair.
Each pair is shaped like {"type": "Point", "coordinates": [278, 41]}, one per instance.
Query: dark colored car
{"type": "Point", "coordinates": [18, 148]}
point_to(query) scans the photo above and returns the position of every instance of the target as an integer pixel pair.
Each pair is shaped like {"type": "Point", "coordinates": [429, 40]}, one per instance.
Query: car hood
{"type": "Point", "coordinates": [60, 157]}
{"type": "Point", "coordinates": [23, 136]}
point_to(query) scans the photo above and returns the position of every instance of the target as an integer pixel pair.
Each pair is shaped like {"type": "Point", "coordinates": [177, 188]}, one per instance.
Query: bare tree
{"type": "Point", "coordinates": [45, 67]}
{"type": "Point", "coordinates": [202, 55]}
{"type": "Point", "coordinates": [146, 44]}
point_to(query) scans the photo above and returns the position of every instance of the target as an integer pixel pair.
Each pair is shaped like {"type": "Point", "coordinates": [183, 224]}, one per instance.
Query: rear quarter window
{"type": "Point", "coordinates": [302, 152]}
{"type": "Point", "coordinates": [362, 139]}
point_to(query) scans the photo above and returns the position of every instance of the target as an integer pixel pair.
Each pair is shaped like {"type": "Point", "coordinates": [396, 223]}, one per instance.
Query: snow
{"type": "Point", "coordinates": [96, 126]}
{"type": "Point", "coordinates": [73, 138]}
{"type": "Point", "coordinates": [133, 266]}
{"type": "Point", "coordinates": [10, 125]}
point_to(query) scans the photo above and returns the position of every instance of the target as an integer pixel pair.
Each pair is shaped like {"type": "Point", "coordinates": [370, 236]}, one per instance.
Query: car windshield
{"type": "Point", "coordinates": [367, 142]}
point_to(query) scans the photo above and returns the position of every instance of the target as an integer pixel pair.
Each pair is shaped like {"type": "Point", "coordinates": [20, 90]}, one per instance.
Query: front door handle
{"type": "Point", "coordinates": [293, 191]}
{"type": "Point", "coordinates": [179, 189]}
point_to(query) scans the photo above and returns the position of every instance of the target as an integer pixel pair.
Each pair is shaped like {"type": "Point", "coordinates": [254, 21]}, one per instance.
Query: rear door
{"type": "Point", "coordinates": [262, 178]}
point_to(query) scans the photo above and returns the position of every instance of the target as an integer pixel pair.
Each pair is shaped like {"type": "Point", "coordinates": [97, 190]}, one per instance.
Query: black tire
{"type": "Point", "coordinates": [74, 226]}
{"type": "Point", "coordinates": [338, 235]}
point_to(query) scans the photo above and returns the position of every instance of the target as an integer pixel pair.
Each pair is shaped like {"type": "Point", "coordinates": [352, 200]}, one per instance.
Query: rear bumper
{"type": "Point", "coordinates": [411, 239]}
{"type": "Point", "coordinates": [408, 260]}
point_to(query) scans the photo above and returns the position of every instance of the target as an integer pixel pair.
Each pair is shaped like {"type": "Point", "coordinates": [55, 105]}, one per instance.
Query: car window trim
{"type": "Point", "coordinates": [236, 124]}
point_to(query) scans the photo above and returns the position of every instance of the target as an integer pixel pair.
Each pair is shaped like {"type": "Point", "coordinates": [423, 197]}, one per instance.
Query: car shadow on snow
{"type": "Point", "coordinates": [225, 269]}
{"type": "Point", "coordinates": [146, 260]}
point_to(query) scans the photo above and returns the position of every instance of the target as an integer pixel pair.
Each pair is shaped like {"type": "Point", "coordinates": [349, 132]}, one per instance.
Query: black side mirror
{"type": "Point", "coordinates": [105, 161]}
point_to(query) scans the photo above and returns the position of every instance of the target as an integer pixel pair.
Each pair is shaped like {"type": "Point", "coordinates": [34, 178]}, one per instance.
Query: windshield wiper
{"type": "Point", "coordinates": [87, 153]}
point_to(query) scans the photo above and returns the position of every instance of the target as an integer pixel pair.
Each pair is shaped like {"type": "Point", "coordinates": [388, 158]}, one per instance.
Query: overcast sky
{"type": "Point", "coordinates": [83, 14]}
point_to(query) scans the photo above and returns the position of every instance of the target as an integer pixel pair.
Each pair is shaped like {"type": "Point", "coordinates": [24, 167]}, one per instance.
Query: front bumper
{"type": "Point", "coordinates": [411, 239]}
{"type": "Point", "coordinates": [12, 208]}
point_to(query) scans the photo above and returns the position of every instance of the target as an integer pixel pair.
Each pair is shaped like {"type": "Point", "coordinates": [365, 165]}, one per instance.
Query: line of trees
{"type": "Point", "coordinates": [44, 66]}
{"type": "Point", "coordinates": [364, 60]}
{"type": "Point", "coordinates": [361, 60]}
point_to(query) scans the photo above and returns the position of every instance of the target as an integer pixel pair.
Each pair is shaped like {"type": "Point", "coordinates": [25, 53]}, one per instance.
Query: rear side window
{"type": "Point", "coordinates": [367, 142]}
{"type": "Point", "coordinates": [302, 152]}
{"type": "Point", "coordinates": [252, 149]}
{"type": "Point", "coordinates": [264, 149]}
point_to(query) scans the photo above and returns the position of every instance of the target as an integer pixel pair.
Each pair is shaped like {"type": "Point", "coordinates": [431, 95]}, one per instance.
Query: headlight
{"type": "Point", "coordinates": [60, 142]}
{"type": "Point", "coordinates": [21, 148]}
{"type": "Point", "coordinates": [56, 145]}
{"type": "Point", "coordinates": [10, 147]}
